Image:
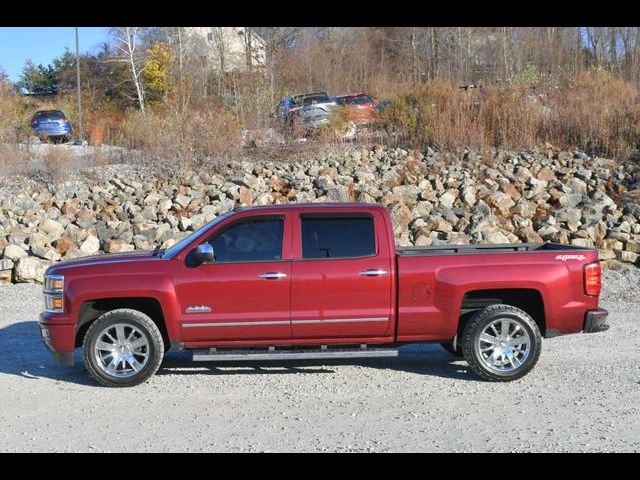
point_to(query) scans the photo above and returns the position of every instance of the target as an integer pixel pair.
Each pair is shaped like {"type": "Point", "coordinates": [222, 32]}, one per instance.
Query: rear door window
{"type": "Point", "coordinates": [338, 237]}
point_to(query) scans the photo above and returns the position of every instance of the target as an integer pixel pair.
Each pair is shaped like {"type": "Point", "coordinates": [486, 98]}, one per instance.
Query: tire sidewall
{"type": "Point", "coordinates": [156, 351]}
{"type": "Point", "coordinates": [448, 346]}
{"type": "Point", "coordinates": [525, 321]}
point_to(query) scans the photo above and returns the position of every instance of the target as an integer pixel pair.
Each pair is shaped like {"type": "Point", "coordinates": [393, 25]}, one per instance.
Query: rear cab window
{"type": "Point", "coordinates": [337, 236]}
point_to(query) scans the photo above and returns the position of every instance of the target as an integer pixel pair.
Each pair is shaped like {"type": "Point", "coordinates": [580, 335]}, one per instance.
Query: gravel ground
{"type": "Point", "coordinates": [584, 395]}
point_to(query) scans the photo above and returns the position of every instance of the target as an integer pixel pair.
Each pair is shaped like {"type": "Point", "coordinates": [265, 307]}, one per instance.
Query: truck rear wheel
{"type": "Point", "coordinates": [123, 348]}
{"type": "Point", "coordinates": [501, 343]}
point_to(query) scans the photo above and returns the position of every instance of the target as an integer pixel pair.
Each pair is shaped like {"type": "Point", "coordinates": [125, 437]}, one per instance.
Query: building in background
{"type": "Point", "coordinates": [228, 49]}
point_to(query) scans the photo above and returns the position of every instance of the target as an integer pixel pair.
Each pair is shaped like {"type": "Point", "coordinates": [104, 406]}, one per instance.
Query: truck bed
{"type": "Point", "coordinates": [434, 282]}
{"type": "Point", "coordinates": [485, 248]}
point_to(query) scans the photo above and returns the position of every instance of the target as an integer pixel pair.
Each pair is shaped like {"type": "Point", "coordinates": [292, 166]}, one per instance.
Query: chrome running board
{"type": "Point", "coordinates": [213, 355]}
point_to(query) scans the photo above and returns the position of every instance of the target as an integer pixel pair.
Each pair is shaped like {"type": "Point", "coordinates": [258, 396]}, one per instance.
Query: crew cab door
{"type": "Point", "coordinates": [245, 293]}
{"type": "Point", "coordinates": [341, 277]}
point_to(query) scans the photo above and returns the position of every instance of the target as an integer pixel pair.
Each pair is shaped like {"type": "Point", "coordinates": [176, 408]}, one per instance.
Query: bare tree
{"type": "Point", "coordinates": [127, 44]}
{"type": "Point", "coordinates": [128, 47]}
{"type": "Point", "coordinates": [220, 46]}
{"type": "Point", "coordinates": [277, 40]}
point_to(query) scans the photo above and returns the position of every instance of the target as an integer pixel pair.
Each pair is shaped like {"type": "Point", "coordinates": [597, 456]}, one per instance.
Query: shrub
{"type": "Point", "coordinates": [186, 136]}
{"type": "Point", "coordinates": [593, 111]}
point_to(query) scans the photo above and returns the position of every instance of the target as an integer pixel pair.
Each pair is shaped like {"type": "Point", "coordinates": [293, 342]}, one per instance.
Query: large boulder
{"type": "Point", "coordinates": [90, 245]}
{"type": "Point", "coordinates": [502, 201]}
{"type": "Point", "coordinates": [494, 237]}
{"type": "Point", "coordinates": [30, 269]}
{"type": "Point", "coordinates": [14, 252]}
{"type": "Point", "coordinates": [117, 245]}
{"type": "Point", "coordinates": [52, 227]}
{"type": "Point", "coordinates": [448, 198]}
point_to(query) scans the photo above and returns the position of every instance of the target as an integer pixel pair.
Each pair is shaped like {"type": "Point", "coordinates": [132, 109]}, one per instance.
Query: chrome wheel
{"type": "Point", "coordinates": [121, 350]}
{"type": "Point", "coordinates": [504, 345]}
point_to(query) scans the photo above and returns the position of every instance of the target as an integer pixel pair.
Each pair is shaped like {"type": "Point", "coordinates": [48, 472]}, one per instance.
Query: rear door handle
{"type": "Point", "coordinates": [273, 275]}
{"type": "Point", "coordinates": [376, 272]}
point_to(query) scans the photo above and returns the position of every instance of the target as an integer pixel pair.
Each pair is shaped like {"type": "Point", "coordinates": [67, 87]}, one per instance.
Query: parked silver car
{"type": "Point", "coordinates": [316, 111]}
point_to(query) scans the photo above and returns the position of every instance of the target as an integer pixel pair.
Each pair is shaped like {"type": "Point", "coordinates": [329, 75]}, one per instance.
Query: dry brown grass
{"type": "Point", "coordinates": [594, 111]}
{"type": "Point", "coordinates": [56, 164]}
{"type": "Point", "coordinates": [185, 137]}
{"type": "Point", "coordinates": [12, 160]}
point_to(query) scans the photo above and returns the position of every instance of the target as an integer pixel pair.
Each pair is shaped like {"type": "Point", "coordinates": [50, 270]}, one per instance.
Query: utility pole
{"type": "Point", "coordinates": [80, 140]}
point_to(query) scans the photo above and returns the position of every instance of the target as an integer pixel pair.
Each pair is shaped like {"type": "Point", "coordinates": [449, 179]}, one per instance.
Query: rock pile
{"type": "Point", "coordinates": [433, 198]}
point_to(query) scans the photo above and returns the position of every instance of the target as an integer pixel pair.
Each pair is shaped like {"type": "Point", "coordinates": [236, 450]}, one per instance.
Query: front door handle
{"type": "Point", "coordinates": [376, 272]}
{"type": "Point", "coordinates": [273, 275]}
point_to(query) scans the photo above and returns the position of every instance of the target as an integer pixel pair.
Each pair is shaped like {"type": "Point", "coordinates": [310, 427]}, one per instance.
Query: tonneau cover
{"type": "Point", "coordinates": [485, 248]}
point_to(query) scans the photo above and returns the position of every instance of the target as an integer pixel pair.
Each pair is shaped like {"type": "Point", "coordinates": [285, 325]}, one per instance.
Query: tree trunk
{"type": "Point", "coordinates": [505, 54]}
{"type": "Point", "coordinates": [613, 47]}
{"type": "Point", "coordinates": [131, 38]}
{"type": "Point", "coordinates": [578, 59]}
{"type": "Point", "coordinates": [435, 67]}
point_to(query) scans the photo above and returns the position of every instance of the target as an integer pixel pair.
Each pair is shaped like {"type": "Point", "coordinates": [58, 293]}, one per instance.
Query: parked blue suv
{"type": "Point", "coordinates": [51, 124]}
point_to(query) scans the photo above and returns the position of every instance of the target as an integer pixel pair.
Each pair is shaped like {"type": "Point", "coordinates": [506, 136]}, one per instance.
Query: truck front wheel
{"type": "Point", "coordinates": [123, 348]}
{"type": "Point", "coordinates": [453, 351]}
{"type": "Point", "coordinates": [501, 343]}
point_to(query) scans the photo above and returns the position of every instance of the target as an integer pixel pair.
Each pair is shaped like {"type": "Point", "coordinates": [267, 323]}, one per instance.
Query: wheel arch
{"type": "Point", "coordinates": [90, 310]}
{"type": "Point", "coordinates": [529, 300]}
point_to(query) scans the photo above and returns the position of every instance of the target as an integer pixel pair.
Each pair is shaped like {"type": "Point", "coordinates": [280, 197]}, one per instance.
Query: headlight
{"type": "Point", "coordinates": [54, 293]}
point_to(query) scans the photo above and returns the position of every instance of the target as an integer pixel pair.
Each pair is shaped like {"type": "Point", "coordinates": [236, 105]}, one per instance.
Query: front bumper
{"type": "Point", "coordinates": [59, 338]}
{"type": "Point", "coordinates": [596, 321]}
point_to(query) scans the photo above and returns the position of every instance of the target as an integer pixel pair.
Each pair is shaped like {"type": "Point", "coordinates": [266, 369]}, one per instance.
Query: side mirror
{"type": "Point", "coordinates": [204, 254]}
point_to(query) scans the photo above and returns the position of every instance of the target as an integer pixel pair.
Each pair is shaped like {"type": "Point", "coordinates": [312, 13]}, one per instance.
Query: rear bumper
{"type": "Point", "coordinates": [52, 131]}
{"type": "Point", "coordinates": [59, 339]}
{"type": "Point", "coordinates": [596, 321]}
{"type": "Point", "coordinates": [316, 124]}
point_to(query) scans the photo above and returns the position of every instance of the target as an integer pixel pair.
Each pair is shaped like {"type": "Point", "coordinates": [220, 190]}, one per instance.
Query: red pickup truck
{"type": "Point", "coordinates": [316, 281]}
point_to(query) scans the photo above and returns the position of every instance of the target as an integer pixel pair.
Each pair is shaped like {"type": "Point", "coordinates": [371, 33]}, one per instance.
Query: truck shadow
{"type": "Point", "coordinates": [23, 354]}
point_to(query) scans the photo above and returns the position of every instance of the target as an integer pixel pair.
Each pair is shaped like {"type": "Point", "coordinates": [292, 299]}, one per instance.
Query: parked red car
{"type": "Point", "coordinates": [359, 107]}
{"type": "Point", "coordinates": [316, 281]}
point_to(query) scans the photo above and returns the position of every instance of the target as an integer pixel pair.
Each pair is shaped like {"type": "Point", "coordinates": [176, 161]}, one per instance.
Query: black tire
{"type": "Point", "coordinates": [144, 325]}
{"type": "Point", "coordinates": [449, 348]}
{"type": "Point", "coordinates": [481, 320]}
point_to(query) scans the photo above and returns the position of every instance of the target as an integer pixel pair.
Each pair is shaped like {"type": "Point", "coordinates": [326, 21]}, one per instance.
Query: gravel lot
{"type": "Point", "coordinates": [584, 395]}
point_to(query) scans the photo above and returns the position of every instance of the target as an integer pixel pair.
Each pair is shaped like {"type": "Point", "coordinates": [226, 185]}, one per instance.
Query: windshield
{"type": "Point", "coordinates": [177, 248]}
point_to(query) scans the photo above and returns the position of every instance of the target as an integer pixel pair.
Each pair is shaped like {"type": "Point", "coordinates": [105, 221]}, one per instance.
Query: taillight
{"type": "Point", "coordinates": [592, 279]}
